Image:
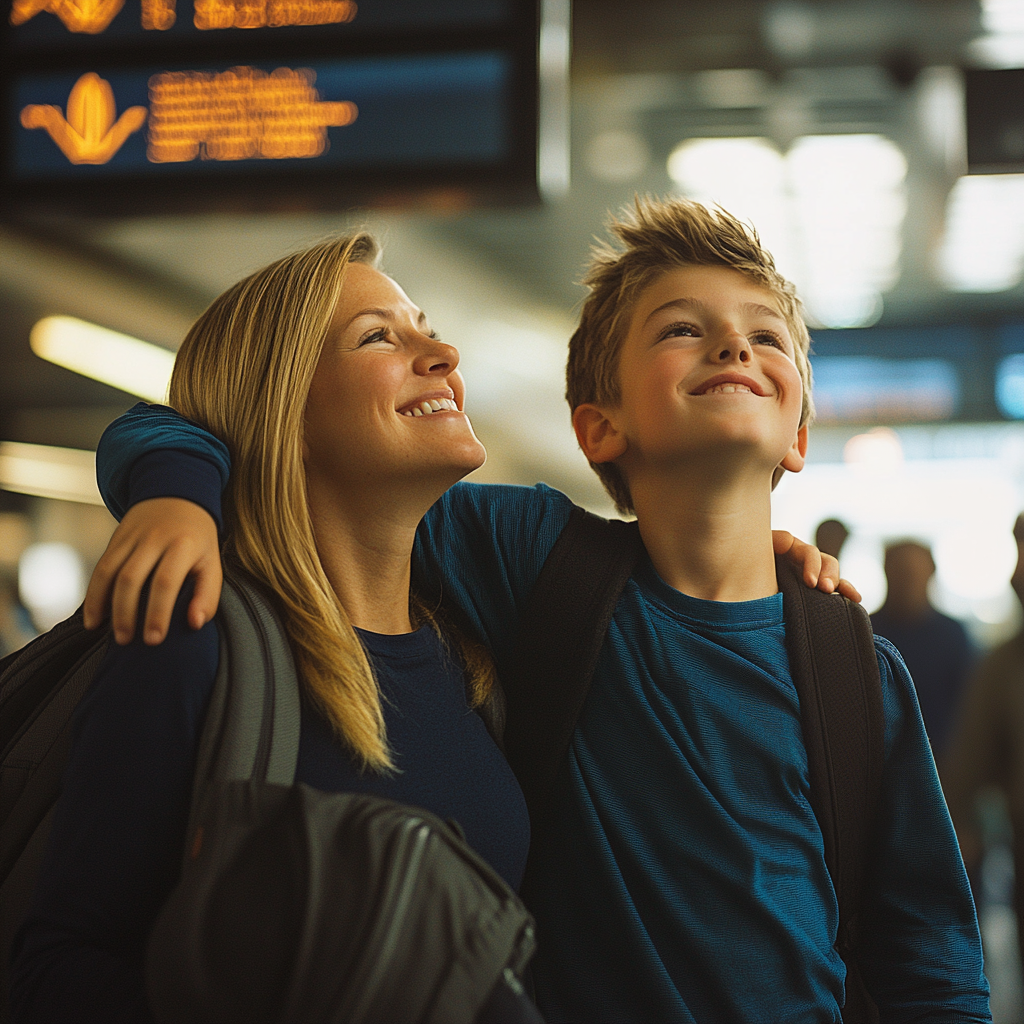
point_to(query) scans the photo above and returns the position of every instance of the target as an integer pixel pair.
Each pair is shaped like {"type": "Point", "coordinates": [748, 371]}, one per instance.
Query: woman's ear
{"type": "Point", "coordinates": [797, 455]}
{"type": "Point", "coordinates": [597, 434]}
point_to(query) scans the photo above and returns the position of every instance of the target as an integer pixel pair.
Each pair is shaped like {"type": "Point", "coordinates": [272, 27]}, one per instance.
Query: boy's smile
{"type": "Point", "coordinates": [707, 368]}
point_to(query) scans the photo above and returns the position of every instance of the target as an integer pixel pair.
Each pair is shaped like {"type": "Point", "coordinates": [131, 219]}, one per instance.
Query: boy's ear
{"type": "Point", "coordinates": [597, 435]}
{"type": "Point", "coordinates": [797, 455]}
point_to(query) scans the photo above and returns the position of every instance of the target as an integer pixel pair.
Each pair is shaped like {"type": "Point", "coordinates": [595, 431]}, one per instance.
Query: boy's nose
{"type": "Point", "coordinates": [733, 345]}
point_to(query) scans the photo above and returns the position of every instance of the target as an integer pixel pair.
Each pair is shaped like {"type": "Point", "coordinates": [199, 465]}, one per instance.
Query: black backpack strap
{"type": "Point", "coordinates": [835, 670]}
{"type": "Point", "coordinates": [561, 634]}
{"type": "Point", "coordinates": [251, 729]}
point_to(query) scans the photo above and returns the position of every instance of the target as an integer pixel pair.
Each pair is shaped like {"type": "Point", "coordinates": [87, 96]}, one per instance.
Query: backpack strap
{"type": "Point", "coordinates": [251, 729]}
{"type": "Point", "coordinates": [560, 637]}
{"type": "Point", "coordinates": [835, 671]}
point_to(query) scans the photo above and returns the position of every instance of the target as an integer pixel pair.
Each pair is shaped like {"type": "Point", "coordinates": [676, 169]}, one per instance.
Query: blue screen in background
{"type": "Point", "coordinates": [413, 111]}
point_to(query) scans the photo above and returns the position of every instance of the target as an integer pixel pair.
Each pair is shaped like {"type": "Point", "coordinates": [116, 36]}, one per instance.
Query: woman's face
{"type": "Point", "coordinates": [367, 423]}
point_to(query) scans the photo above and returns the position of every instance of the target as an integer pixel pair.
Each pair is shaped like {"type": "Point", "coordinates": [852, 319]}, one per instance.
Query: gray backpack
{"type": "Point", "coordinates": [293, 905]}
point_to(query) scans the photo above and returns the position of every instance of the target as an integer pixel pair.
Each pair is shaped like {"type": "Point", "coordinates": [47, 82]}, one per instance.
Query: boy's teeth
{"type": "Point", "coordinates": [727, 389]}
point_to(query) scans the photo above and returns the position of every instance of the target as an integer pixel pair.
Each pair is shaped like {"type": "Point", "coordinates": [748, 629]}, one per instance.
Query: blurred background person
{"type": "Point", "coordinates": [831, 536]}
{"type": "Point", "coordinates": [987, 750]}
{"type": "Point", "coordinates": [935, 647]}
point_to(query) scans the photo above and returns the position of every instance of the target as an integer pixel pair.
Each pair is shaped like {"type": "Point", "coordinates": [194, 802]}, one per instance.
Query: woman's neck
{"type": "Point", "coordinates": [366, 551]}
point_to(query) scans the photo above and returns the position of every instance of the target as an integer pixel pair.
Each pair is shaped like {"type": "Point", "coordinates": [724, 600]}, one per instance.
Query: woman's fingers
{"type": "Point", "coordinates": [828, 579]}
{"type": "Point", "coordinates": [805, 556]}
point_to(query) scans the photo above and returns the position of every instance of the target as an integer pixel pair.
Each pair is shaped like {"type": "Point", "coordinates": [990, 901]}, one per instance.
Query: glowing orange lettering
{"type": "Point", "coordinates": [158, 14]}
{"type": "Point", "coordinates": [242, 114]}
{"type": "Point", "coordinates": [213, 14]}
{"type": "Point", "coordinates": [90, 16]}
{"type": "Point", "coordinates": [89, 134]}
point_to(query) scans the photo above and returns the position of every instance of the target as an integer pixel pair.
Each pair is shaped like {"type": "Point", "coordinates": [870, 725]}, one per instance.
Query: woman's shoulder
{"type": "Point", "coordinates": [139, 682]}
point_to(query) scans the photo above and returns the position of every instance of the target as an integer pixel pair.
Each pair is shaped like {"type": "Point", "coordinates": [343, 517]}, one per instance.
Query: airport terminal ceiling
{"type": "Point", "coordinates": [660, 91]}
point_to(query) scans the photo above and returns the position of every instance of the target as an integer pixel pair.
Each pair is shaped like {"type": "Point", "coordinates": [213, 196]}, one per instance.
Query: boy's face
{"type": "Point", "coordinates": [707, 368]}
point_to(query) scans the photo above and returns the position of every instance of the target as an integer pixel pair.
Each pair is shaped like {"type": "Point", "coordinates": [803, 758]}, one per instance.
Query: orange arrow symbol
{"type": "Point", "coordinates": [90, 16]}
{"type": "Point", "coordinates": [89, 134]}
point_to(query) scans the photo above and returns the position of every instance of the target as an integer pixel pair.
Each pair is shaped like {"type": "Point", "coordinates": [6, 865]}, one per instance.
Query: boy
{"type": "Point", "coordinates": [682, 874]}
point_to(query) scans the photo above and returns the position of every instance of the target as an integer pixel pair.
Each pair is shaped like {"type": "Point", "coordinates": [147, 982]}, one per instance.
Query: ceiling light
{"type": "Point", "coordinates": [65, 473]}
{"type": "Point", "coordinates": [983, 250]}
{"type": "Point", "coordinates": [830, 212]}
{"type": "Point", "coordinates": [123, 362]}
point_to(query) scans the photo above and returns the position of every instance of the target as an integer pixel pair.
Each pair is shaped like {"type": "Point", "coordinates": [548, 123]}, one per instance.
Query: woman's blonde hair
{"type": "Point", "coordinates": [244, 373]}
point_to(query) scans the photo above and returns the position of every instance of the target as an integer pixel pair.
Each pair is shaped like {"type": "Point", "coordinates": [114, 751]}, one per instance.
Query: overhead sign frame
{"type": "Point", "coordinates": [440, 112]}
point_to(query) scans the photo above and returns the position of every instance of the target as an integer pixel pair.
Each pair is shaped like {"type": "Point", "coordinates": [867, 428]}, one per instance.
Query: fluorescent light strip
{"type": "Point", "coordinates": [123, 362]}
{"type": "Point", "coordinates": [68, 474]}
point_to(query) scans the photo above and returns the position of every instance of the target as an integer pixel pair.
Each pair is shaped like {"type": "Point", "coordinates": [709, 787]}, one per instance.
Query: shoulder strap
{"type": "Point", "coordinates": [560, 636]}
{"type": "Point", "coordinates": [251, 730]}
{"type": "Point", "coordinates": [835, 671]}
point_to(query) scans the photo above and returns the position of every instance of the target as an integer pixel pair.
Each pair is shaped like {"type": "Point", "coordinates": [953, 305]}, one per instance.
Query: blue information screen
{"type": "Point", "coordinates": [322, 102]}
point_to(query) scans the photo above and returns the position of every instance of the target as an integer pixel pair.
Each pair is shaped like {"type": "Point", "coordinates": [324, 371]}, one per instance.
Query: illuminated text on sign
{"type": "Point", "coordinates": [89, 134]}
{"type": "Point", "coordinates": [211, 14]}
{"type": "Point", "coordinates": [93, 16]}
{"type": "Point", "coordinates": [241, 114]}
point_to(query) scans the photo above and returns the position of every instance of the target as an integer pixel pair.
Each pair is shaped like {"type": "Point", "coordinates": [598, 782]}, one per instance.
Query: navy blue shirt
{"type": "Point", "coordinates": [119, 829]}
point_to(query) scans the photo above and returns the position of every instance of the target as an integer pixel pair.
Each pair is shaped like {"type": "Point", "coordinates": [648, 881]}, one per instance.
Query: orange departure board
{"type": "Point", "coordinates": [124, 106]}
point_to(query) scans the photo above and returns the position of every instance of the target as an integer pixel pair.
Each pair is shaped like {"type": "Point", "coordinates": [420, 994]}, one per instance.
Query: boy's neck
{"type": "Point", "coordinates": [713, 541]}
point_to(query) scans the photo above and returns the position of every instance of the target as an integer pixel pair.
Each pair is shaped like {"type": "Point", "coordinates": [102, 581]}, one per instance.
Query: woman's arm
{"type": "Point", "coordinates": [116, 845]}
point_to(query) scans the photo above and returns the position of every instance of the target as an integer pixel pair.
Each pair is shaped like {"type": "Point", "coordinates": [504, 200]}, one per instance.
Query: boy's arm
{"type": "Point", "coordinates": [921, 956]}
{"type": "Point", "coordinates": [164, 475]}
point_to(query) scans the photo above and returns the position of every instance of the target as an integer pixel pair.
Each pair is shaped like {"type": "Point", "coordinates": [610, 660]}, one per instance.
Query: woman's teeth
{"type": "Point", "coordinates": [428, 406]}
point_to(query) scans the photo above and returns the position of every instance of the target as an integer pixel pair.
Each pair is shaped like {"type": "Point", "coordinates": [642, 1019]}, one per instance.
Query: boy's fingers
{"type": "Point", "coordinates": [99, 593]}
{"type": "Point", "coordinates": [124, 605]}
{"type": "Point", "coordinates": [847, 589]}
{"type": "Point", "coordinates": [163, 593]}
{"type": "Point", "coordinates": [203, 606]}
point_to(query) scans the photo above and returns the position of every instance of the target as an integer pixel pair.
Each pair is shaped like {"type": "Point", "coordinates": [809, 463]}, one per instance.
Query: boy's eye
{"type": "Point", "coordinates": [679, 331]}
{"type": "Point", "coordinates": [767, 338]}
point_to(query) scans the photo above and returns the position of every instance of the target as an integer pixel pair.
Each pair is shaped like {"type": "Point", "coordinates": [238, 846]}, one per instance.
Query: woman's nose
{"type": "Point", "coordinates": [436, 357]}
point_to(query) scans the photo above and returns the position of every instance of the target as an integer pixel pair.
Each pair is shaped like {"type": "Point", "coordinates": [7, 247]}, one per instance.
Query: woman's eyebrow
{"type": "Point", "coordinates": [384, 314]}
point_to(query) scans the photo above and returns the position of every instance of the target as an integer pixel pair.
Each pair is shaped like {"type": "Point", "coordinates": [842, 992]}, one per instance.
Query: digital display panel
{"type": "Point", "coordinates": [38, 25]}
{"type": "Point", "coordinates": [322, 103]}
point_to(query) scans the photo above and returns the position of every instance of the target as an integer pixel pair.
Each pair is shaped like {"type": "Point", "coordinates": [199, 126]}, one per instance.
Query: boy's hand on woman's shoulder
{"type": "Point", "coordinates": [819, 570]}
{"type": "Point", "coordinates": [168, 539]}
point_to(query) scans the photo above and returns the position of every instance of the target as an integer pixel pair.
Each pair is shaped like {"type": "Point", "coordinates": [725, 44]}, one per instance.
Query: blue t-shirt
{"type": "Point", "coordinates": [119, 830]}
{"type": "Point", "coordinates": [684, 876]}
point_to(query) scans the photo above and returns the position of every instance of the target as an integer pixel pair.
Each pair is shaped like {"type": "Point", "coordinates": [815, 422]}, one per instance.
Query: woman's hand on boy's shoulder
{"type": "Point", "coordinates": [168, 539]}
{"type": "Point", "coordinates": [819, 570]}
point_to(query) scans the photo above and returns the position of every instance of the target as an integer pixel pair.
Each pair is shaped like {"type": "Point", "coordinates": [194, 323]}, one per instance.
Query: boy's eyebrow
{"type": "Point", "coordinates": [697, 306]}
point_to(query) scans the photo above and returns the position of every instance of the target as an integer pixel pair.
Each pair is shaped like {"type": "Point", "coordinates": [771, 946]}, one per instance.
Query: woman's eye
{"type": "Point", "coordinates": [381, 334]}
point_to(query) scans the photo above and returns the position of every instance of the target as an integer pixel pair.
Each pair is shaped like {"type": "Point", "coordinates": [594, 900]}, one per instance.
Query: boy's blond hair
{"type": "Point", "coordinates": [658, 235]}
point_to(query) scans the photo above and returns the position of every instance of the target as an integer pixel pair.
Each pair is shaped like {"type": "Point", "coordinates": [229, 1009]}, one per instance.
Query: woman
{"type": "Point", "coordinates": [316, 372]}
